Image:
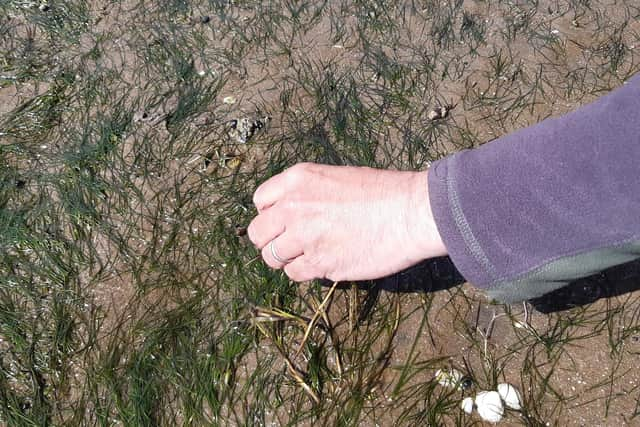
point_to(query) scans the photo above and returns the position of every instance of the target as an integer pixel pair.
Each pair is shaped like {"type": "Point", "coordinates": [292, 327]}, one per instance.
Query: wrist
{"type": "Point", "coordinates": [422, 227]}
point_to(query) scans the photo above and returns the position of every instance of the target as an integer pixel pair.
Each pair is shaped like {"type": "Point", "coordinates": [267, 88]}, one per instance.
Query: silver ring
{"type": "Point", "coordinates": [275, 255]}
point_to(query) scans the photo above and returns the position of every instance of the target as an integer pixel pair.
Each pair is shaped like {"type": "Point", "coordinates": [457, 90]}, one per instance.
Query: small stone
{"type": "Point", "coordinates": [205, 19]}
{"type": "Point", "coordinates": [229, 100]}
{"type": "Point", "coordinates": [44, 7]}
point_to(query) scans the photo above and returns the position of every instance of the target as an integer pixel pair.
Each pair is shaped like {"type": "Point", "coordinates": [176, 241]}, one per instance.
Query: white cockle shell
{"type": "Point", "coordinates": [467, 405]}
{"type": "Point", "coordinates": [510, 395]}
{"type": "Point", "coordinates": [489, 406]}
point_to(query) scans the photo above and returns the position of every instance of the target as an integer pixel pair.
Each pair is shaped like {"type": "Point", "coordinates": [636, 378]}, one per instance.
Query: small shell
{"type": "Point", "coordinates": [449, 377]}
{"type": "Point", "coordinates": [229, 100]}
{"type": "Point", "coordinates": [510, 395]}
{"type": "Point", "coordinates": [438, 113]}
{"type": "Point", "coordinates": [434, 115]}
{"type": "Point", "coordinates": [489, 406]}
{"type": "Point", "coordinates": [467, 405]}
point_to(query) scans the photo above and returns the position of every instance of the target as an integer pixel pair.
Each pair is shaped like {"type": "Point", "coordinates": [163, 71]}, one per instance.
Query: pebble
{"type": "Point", "coordinates": [229, 100]}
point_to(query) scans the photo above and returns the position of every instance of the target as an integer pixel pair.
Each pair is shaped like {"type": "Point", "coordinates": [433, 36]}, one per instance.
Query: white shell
{"type": "Point", "coordinates": [489, 406]}
{"type": "Point", "coordinates": [467, 405]}
{"type": "Point", "coordinates": [438, 113]}
{"type": "Point", "coordinates": [433, 115]}
{"type": "Point", "coordinates": [510, 395]}
{"type": "Point", "coordinates": [449, 377]}
{"type": "Point", "coordinates": [229, 100]}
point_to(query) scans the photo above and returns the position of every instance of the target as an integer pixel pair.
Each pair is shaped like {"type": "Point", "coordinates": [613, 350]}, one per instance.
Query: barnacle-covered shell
{"type": "Point", "coordinates": [510, 395]}
{"type": "Point", "coordinates": [489, 406]}
{"type": "Point", "coordinates": [467, 405]}
{"type": "Point", "coordinates": [242, 130]}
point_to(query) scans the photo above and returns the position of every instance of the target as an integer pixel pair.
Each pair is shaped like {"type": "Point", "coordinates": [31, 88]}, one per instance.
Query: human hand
{"type": "Point", "coordinates": [344, 223]}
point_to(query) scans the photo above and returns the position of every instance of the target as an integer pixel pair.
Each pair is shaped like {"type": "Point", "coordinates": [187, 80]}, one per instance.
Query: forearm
{"type": "Point", "coordinates": [529, 212]}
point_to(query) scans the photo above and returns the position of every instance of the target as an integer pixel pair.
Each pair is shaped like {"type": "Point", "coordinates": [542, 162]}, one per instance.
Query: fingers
{"type": "Point", "coordinates": [277, 186]}
{"type": "Point", "coordinates": [268, 225]}
{"type": "Point", "coordinates": [268, 231]}
{"type": "Point", "coordinates": [281, 251]}
{"type": "Point", "coordinates": [299, 270]}
{"type": "Point", "coordinates": [269, 192]}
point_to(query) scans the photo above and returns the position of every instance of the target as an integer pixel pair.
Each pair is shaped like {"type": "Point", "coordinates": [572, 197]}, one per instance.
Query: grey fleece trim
{"type": "Point", "coordinates": [560, 272]}
{"type": "Point", "coordinates": [463, 225]}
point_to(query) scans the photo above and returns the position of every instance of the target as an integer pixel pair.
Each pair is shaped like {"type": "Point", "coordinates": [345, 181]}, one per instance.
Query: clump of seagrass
{"type": "Point", "coordinates": [262, 315]}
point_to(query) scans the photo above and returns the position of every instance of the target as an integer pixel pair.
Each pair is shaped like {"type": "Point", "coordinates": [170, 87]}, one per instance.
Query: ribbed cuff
{"type": "Point", "coordinates": [456, 233]}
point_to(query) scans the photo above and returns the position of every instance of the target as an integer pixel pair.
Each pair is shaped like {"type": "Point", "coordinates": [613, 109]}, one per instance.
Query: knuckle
{"type": "Point", "coordinates": [294, 273]}
{"type": "Point", "coordinates": [296, 173]}
{"type": "Point", "coordinates": [289, 205]}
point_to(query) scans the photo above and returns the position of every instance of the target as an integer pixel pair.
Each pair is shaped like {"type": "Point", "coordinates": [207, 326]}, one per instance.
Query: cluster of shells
{"type": "Point", "coordinates": [489, 404]}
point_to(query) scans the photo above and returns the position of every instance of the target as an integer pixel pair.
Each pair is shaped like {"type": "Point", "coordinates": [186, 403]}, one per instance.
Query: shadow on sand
{"type": "Point", "coordinates": [440, 273]}
{"type": "Point", "coordinates": [614, 281]}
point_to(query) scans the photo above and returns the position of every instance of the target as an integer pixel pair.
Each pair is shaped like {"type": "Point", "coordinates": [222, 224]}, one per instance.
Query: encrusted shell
{"type": "Point", "coordinates": [510, 395]}
{"type": "Point", "coordinates": [467, 405]}
{"type": "Point", "coordinates": [449, 377]}
{"type": "Point", "coordinates": [489, 406]}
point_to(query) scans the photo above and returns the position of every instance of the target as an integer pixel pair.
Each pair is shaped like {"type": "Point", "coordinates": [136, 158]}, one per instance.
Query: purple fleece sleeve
{"type": "Point", "coordinates": [529, 212]}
